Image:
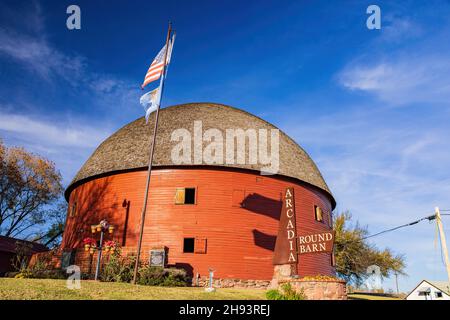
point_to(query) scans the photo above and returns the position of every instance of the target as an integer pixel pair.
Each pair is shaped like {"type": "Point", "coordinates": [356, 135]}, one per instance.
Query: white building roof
{"type": "Point", "coordinates": [444, 286]}
{"type": "Point", "coordinates": [431, 289]}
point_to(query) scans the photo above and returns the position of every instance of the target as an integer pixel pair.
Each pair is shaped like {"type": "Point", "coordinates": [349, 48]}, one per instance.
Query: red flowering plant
{"type": "Point", "coordinates": [89, 243]}
{"type": "Point", "coordinates": [111, 246]}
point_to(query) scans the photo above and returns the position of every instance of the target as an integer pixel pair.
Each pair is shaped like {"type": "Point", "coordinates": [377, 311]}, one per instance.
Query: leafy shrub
{"type": "Point", "coordinates": [118, 268]}
{"type": "Point", "coordinates": [151, 276]}
{"type": "Point", "coordinates": [286, 293]}
{"type": "Point", "coordinates": [42, 263]}
{"type": "Point", "coordinates": [121, 269]}
{"type": "Point", "coordinates": [157, 276]}
{"type": "Point", "coordinates": [274, 295]}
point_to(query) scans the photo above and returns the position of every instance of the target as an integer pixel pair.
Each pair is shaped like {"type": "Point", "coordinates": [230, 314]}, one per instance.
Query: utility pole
{"type": "Point", "coordinates": [443, 241]}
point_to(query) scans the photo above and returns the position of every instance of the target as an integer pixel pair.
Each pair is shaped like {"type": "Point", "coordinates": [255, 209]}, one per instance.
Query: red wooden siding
{"type": "Point", "coordinates": [238, 240]}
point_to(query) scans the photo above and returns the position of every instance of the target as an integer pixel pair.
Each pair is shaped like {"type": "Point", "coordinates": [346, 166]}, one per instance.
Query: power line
{"type": "Point", "coordinates": [345, 243]}
{"type": "Point", "coordinates": [429, 218]}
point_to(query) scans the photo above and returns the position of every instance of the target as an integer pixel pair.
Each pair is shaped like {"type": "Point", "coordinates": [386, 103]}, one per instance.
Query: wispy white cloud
{"type": "Point", "coordinates": [107, 94]}
{"type": "Point", "coordinates": [67, 142]}
{"type": "Point", "coordinates": [407, 62]}
{"type": "Point", "coordinates": [51, 133]}
{"type": "Point", "coordinates": [36, 54]}
{"type": "Point", "coordinates": [402, 79]}
{"type": "Point", "coordinates": [112, 93]}
{"type": "Point", "coordinates": [58, 134]}
{"type": "Point", "coordinates": [25, 41]}
{"type": "Point", "coordinates": [397, 29]}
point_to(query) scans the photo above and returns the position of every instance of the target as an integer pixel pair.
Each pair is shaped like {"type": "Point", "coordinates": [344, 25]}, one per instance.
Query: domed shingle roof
{"type": "Point", "coordinates": [128, 148]}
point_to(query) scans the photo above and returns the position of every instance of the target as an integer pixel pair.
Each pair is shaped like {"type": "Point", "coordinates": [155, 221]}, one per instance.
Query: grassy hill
{"type": "Point", "coordinates": [45, 289]}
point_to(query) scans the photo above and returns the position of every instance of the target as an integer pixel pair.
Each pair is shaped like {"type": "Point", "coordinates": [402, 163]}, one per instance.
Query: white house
{"type": "Point", "coordinates": [430, 290]}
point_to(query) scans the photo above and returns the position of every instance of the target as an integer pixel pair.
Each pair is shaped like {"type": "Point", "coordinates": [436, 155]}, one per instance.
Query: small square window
{"type": "Point", "coordinates": [318, 214]}
{"type": "Point", "coordinates": [185, 196]}
{"type": "Point", "coordinates": [189, 197]}
{"type": "Point", "coordinates": [188, 245]}
{"type": "Point", "coordinates": [438, 294]}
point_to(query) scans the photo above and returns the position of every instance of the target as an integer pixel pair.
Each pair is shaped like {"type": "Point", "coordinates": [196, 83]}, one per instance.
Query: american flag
{"type": "Point", "coordinates": [157, 66]}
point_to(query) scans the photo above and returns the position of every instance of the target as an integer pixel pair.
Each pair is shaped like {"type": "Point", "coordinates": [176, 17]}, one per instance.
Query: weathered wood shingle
{"type": "Point", "coordinates": [128, 148]}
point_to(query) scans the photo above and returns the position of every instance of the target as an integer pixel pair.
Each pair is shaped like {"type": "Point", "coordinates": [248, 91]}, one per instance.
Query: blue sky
{"type": "Point", "coordinates": [370, 106]}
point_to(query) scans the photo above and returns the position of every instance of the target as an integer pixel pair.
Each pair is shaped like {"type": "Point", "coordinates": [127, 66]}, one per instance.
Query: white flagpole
{"type": "Point", "coordinates": [152, 149]}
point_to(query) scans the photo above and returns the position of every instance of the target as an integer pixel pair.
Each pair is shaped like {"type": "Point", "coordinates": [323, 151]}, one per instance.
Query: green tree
{"type": "Point", "coordinates": [30, 187]}
{"type": "Point", "coordinates": [353, 253]}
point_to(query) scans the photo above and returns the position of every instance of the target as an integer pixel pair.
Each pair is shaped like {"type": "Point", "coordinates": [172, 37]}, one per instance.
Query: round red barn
{"type": "Point", "coordinates": [219, 216]}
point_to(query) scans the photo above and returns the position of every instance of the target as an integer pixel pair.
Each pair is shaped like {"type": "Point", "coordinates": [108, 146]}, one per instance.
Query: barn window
{"type": "Point", "coordinates": [318, 213]}
{"type": "Point", "coordinates": [194, 245]}
{"type": "Point", "coordinates": [438, 294]}
{"type": "Point", "coordinates": [189, 197]}
{"type": "Point", "coordinates": [185, 196]}
{"type": "Point", "coordinates": [200, 245]}
{"type": "Point", "coordinates": [188, 245]}
{"type": "Point", "coordinates": [73, 209]}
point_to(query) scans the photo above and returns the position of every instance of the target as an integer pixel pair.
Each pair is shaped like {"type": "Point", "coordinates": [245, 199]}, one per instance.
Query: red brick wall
{"type": "Point", "coordinates": [240, 240]}
{"type": "Point", "coordinates": [51, 258]}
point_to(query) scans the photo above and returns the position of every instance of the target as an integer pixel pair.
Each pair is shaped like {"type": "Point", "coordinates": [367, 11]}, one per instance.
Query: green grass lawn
{"type": "Point", "coordinates": [361, 296]}
{"type": "Point", "coordinates": [45, 289]}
